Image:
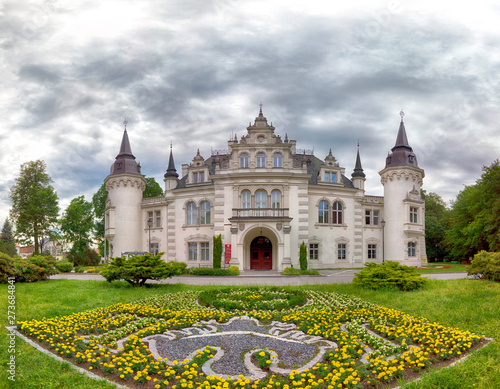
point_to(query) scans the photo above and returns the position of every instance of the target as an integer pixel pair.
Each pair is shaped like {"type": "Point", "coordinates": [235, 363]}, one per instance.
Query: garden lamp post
{"type": "Point", "coordinates": [150, 224]}
{"type": "Point", "coordinates": [382, 223]}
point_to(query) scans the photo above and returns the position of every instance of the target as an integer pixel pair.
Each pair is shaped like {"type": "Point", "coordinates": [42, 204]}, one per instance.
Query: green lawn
{"type": "Point", "coordinates": [444, 267]}
{"type": "Point", "coordinates": [466, 304]}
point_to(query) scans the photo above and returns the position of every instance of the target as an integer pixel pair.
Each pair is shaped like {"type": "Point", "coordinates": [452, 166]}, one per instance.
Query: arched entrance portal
{"type": "Point", "coordinates": [261, 254]}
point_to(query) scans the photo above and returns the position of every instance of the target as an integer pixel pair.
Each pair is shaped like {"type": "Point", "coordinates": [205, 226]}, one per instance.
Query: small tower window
{"type": "Point", "coordinates": [412, 249]}
{"type": "Point", "coordinates": [413, 215]}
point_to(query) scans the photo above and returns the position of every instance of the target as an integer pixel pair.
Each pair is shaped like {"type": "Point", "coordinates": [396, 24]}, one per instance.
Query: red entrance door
{"type": "Point", "coordinates": [261, 257]}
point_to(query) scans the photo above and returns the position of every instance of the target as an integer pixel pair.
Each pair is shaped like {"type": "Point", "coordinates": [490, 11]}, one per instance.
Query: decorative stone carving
{"type": "Point", "coordinates": [241, 226]}
{"type": "Point", "coordinates": [279, 226]}
{"type": "Point", "coordinates": [287, 229]}
{"type": "Point", "coordinates": [234, 230]}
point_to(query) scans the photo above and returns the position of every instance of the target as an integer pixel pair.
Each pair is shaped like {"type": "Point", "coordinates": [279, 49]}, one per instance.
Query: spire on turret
{"type": "Point", "coordinates": [358, 169]}
{"type": "Point", "coordinates": [125, 160]}
{"type": "Point", "coordinates": [171, 171]}
{"type": "Point", "coordinates": [402, 153]}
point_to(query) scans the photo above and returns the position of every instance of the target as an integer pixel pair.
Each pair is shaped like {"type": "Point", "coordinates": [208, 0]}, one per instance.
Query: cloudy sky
{"type": "Point", "coordinates": [194, 71]}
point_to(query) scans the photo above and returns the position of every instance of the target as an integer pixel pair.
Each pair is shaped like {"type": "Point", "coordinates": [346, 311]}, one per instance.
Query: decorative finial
{"type": "Point", "coordinates": [170, 145]}
{"type": "Point", "coordinates": [125, 123]}
{"type": "Point", "coordinates": [401, 113]}
{"type": "Point", "coordinates": [260, 105]}
{"type": "Point", "coordinates": [358, 143]}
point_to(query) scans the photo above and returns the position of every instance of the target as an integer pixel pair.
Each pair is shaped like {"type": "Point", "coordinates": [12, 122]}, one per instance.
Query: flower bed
{"type": "Point", "coordinates": [333, 341]}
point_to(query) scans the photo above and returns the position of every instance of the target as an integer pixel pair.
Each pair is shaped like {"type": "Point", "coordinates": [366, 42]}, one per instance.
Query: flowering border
{"type": "Point", "coordinates": [363, 359]}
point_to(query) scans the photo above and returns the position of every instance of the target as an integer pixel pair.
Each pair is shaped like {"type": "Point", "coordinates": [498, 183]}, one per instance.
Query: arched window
{"type": "Point", "coordinates": [260, 199]}
{"type": "Point", "coordinates": [278, 160]}
{"type": "Point", "coordinates": [244, 160]}
{"type": "Point", "coordinates": [246, 202]}
{"type": "Point", "coordinates": [275, 199]}
{"type": "Point", "coordinates": [337, 213]}
{"type": "Point", "coordinates": [261, 160]}
{"type": "Point", "coordinates": [205, 213]}
{"type": "Point", "coordinates": [191, 214]}
{"type": "Point", "coordinates": [260, 202]}
{"type": "Point", "coordinates": [323, 212]}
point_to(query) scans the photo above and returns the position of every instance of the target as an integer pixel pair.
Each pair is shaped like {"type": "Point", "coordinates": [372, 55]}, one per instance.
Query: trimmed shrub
{"type": "Point", "coordinates": [79, 269]}
{"type": "Point", "coordinates": [234, 270]}
{"type": "Point", "coordinates": [485, 265]}
{"type": "Point", "coordinates": [136, 270]}
{"type": "Point", "coordinates": [217, 251]}
{"type": "Point", "coordinates": [208, 271]}
{"type": "Point", "coordinates": [290, 271]}
{"type": "Point", "coordinates": [7, 268]}
{"type": "Point", "coordinates": [389, 274]}
{"type": "Point", "coordinates": [64, 266]}
{"type": "Point", "coordinates": [303, 256]}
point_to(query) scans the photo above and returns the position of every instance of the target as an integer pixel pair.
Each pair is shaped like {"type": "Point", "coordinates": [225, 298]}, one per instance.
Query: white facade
{"type": "Point", "coordinates": [265, 198]}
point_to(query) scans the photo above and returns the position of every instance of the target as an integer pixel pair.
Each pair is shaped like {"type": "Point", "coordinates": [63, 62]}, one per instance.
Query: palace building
{"type": "Point", "coordinates": [266, 197]}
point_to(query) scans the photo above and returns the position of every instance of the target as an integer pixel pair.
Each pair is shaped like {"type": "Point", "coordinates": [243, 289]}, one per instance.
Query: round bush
{"type": "Point", "coordinates": [64, 266]}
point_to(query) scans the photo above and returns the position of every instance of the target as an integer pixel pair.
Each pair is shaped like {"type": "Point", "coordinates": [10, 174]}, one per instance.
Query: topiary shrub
{"type": "Point", "coordinates": [7, 268]}
{"type": "Point", "coordinates": [208, 271]}
{"type": "Point", "coordinates": [390, 275]}
{"type": "Point", "coordinates": [136, 270]}
{"type": "Point", "coordinates": [217, 251]}
{"type": "Point", "coordinates": [303, 256]}
{"type": "Point", "coordinates": [290, 271]}
{"type": "Point", "coordinates": [485, 265]}
{"type": "Point", "coordinates": [234, 270]}
{"type": "Point", "coordinates": [64, 266]}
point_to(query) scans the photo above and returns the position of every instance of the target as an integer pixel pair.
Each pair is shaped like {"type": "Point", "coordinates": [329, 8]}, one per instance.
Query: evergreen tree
{"type": "Point", "coordinates": [34, 204]}
{"type": "Point", "coordinates": [7, 241]}
{"type": "Point", "coordinates": [217, 251]}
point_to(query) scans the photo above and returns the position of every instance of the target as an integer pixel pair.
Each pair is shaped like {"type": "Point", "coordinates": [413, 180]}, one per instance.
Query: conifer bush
{"type": "Point", "coordinates": [136, 270]}
{"type": "Point", "coordinates": [391, 275]}
{"type": "Point", "coordinates": [303, 256]}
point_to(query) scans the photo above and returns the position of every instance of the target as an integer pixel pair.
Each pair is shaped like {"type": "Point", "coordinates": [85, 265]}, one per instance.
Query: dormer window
{"type": "Point", "coordinates": [198, 177]}
{"type": "Point", "coordinates": [330, 177]}
{"type": "Point", "coordinates": [261, 160]}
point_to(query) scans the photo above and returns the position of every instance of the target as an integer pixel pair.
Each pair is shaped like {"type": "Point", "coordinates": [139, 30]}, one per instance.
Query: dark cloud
{"type": "Point", "coordinates": [193, 72]}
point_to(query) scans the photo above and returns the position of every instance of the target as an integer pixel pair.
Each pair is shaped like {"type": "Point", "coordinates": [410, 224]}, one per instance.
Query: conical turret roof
{"type": "Point", "coordinates": [125, 160]}
{"type": "Point", "coordinates": [171, 171]}
{"type": "Point", "coordinates": [358, 169]}
{"type": "Point", "coordinates": [402, 154]}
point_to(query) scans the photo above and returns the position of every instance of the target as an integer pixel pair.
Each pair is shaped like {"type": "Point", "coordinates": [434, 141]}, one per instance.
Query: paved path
{"type": "Point", "coordinates": [260, 278]}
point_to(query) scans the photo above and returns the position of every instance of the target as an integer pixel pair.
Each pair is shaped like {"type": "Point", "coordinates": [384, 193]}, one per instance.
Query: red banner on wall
{"type": "Point", "coordinates": [227, 256]}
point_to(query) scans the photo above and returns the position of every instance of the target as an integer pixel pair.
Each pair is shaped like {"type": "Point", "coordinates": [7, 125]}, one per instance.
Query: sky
{"type": "Point", "coordinates": [193, 72]}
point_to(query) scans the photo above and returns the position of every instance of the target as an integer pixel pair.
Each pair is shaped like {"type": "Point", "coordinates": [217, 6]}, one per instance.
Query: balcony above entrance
{"type": "Point", "coordinates": [260, 214]}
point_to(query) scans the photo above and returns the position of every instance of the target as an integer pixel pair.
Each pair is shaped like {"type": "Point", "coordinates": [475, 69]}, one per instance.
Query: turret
{"type": "Point", "coordinates": [125, 185]}
{"type": "Point", "coordinates": [404, 207]}
{"type": "Point", "coordinates": [358, 175]}
{"type": "Point", "coordinates": [171, 177]}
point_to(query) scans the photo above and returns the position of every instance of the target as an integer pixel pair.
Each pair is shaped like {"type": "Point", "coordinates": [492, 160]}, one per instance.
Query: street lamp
{"type": "Point", "coordinates": [382, 223]}
{"type": "Point", "coordinates": [150, 224]}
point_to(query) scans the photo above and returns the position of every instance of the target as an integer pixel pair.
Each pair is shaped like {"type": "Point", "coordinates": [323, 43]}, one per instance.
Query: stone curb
{"type": "Point", "coordinates": [79, 369]}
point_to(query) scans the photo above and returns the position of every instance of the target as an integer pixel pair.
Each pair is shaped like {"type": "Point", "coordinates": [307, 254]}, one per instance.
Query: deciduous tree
{"type": "Point", "coordinates": [77, 224]}
{"type": "Point", "coordinates": [34, 204]}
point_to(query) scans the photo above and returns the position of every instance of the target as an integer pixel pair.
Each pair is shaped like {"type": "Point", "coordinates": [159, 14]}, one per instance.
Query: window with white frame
{"type": "Point", "coordinates": [337, 213]}
{"type": "Point", "coordinates": [371, 217]}
{"type": "Point", "coordinates": [244, 160]}
{"type": "Point", "coordinates": [372, 251]}
{"type": "Point", "coordinates": [195, 177]}
{"type": "Point", "coordinates": [205, 212]}
{"type": "Point", "coordinates": [323, 212]}
{"type": "Point", "coordinates": [341, 251]}
{"type": "Point", "coordinates": [275, 199]}
{"type": "Point", "coordinates": [313, 251]}
{"type": "Point", "coordinates": [246, 201]}
{"type": "Point", "coordinates": [150, 219]}
{"type": "Point", "coordinates": [193, 251]}
{"type": "Point", "coordinates": [413, 215]}
{"type": "Point", "coordinates": [278, 160]}
{"type": "Point", "coordinates": [261, 160]}
{"type": "Point", "coordinates": [191, 214]}
{"type": "Point", "coordinates": [412, 249]}
{"type": "Point", "coordinates": [157, 219]}
{"type": "Point", "coordinates": [330, 177]}
{"type": "Point", "coordinates": [260, 199]}
{"type": "Point", "coordinates": [205, 251]}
